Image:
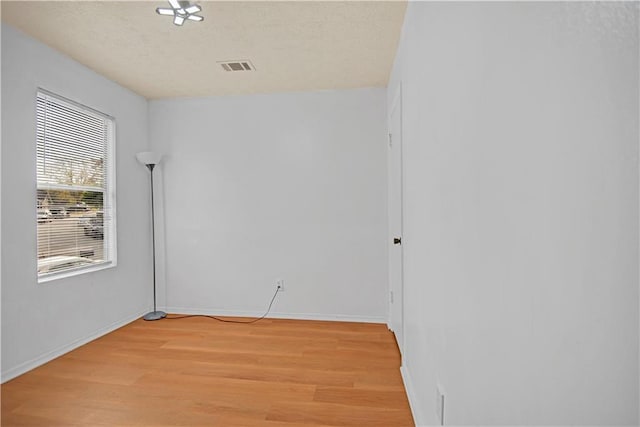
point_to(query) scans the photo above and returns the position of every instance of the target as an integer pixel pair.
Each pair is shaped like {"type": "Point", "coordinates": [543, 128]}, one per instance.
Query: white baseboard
{"type": "Point", "coordinates": [413, 400]}
{"type": "Point", "coordinates": [277, 315]}
{"type": "Point", "coordinates": [11, 373]}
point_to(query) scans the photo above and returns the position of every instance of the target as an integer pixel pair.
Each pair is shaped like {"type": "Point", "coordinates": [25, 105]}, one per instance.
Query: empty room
{"type": "Point", "coordinates": [319, 213]}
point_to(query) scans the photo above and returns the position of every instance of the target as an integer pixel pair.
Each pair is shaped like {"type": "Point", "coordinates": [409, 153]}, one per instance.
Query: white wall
{"type": "Point", "coordinates": [521, 211]}
{"type": "Point", "coordinates": [0, 214]}
{"type": "Point", "coordinates": [40, 321]}
{"type": "Point", "coordinates": [256, 188]}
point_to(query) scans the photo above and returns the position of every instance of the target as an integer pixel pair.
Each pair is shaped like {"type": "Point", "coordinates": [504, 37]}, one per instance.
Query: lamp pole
{"type": "Point", "coordinates": [155, 314]}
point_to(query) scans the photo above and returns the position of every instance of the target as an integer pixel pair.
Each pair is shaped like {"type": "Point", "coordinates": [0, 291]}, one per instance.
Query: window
{"type": "Point", "coordinates": [76, 187]}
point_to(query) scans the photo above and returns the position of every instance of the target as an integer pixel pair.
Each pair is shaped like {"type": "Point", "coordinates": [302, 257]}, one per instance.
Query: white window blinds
{"type": "Point", "coordinates": [75, 194]}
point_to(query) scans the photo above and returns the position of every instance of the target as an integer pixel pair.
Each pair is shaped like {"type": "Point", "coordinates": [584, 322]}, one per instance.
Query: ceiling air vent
{"type": "Point", "coordinates": [241, 65]}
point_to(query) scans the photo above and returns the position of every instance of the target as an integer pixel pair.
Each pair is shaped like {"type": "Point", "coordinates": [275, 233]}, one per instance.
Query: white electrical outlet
{"type": "Point", "coordinates": [280, 285]}
{"type": "Point", "coordinates": [440, 404]}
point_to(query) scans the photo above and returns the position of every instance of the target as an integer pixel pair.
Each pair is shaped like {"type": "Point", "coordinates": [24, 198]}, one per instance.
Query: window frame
{"type": "Point", "coordinates": [109, 198]}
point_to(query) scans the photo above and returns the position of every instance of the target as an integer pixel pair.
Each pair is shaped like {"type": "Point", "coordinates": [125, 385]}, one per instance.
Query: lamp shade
{"type": "Point", "coordinates": [149, 158]}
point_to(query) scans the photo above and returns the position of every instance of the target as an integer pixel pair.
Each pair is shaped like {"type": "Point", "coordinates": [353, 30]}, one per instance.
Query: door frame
{"type": "Point", "coordinates": [396, 104]}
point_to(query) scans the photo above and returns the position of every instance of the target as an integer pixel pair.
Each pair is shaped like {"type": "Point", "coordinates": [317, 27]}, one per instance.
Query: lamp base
{"type": "Point", "coordinates": [154, 315]}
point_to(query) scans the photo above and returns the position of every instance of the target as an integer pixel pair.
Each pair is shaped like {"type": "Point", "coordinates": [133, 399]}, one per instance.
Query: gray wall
{"type": "Point", "coordinates": [262, 187]}
{"type": "Point", "coordinates": [41, 321]}
{"type": "Point", "coordinates": [521, 211]}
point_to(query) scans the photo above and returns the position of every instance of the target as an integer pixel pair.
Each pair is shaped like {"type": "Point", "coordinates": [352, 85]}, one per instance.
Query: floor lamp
{"type": "Point", "coordinates": [150, 160]}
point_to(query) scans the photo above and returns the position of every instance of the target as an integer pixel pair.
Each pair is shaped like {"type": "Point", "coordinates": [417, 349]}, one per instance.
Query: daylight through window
{"type": "Point", "coordinates": [75, 194]}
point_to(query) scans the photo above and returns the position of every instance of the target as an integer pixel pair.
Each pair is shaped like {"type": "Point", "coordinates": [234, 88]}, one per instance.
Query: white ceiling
{"type": "Point", "coordinates": [295, 46]}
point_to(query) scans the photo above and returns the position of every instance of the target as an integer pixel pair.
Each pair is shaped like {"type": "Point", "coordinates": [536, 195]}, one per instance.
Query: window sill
{"type": "Point", "coordinates": [50, 277]}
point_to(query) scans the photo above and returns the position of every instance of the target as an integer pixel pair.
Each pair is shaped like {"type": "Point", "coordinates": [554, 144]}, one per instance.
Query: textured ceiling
{"type": "Point", "coordinates": [294, 46]}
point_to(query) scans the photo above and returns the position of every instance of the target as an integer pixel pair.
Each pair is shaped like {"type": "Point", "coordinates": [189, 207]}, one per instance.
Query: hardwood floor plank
{"type": "Point", "coordinates": [394, 399]}
{"type": "Point", "coordinates": [200, 372]}
{"type": "Point", "coordinates": [270, 374]}
{"type": "Point", "coordinates": [91, 371]}
{"type": "Point", "coordinates": [379, 378]}
{"type": "Point", "coordinates": [339, 415]}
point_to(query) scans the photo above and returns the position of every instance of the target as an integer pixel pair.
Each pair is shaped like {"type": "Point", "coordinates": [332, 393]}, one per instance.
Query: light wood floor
{"type": "Point", "coordinates": [200, 372]}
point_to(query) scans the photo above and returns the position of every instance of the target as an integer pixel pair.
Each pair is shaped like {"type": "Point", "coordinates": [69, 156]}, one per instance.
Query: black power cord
{"type": "Point", "coordinates": [229, 321]}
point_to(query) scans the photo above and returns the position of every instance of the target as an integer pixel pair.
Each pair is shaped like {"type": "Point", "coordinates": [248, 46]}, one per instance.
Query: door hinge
{"type": "Point", "coordinates": [390, 140]}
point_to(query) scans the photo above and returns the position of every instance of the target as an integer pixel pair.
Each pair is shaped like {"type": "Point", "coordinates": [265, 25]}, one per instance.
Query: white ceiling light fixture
{"type": "Point", "coordinates": [181, 11]}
